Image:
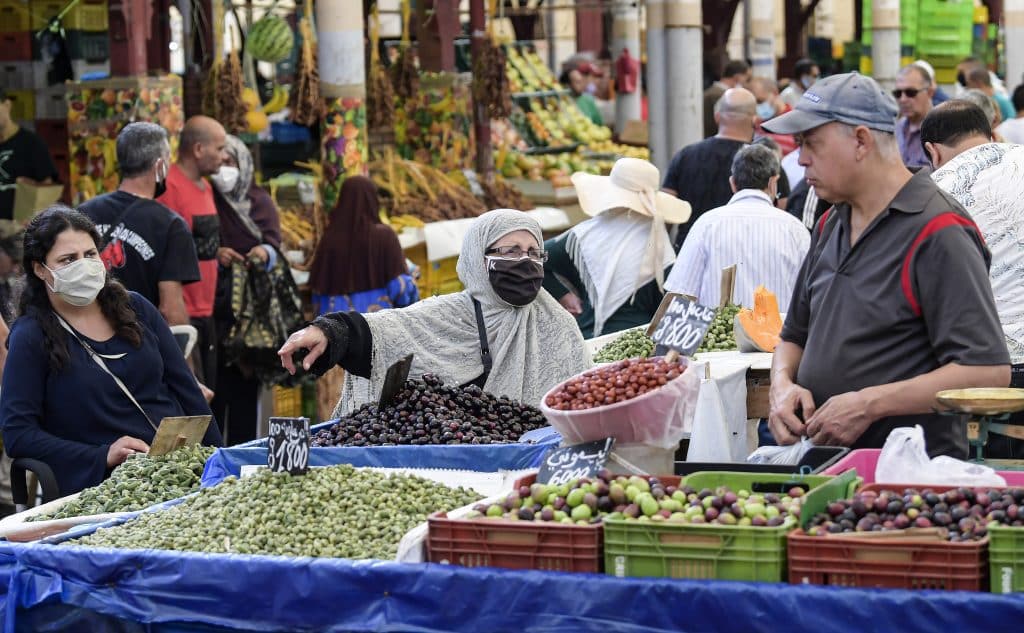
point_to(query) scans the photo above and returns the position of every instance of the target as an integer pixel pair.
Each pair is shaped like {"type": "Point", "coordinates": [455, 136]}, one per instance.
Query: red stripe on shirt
{"type": "Point", "coordinates": [823, 220]}
{"type": "Point", "coordinates": [936, 224]}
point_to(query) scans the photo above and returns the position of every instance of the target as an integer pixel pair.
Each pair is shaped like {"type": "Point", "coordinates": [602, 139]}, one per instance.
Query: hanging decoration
{"type": "Point", "coordinates": [380, 96]}
{"type": "Point", "coordinates": [404, 74]}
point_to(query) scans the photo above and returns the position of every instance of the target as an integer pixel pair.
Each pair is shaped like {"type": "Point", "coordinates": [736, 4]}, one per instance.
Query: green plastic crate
{"type": "Point", "coordinates": [1006, 559]}
{"type": "Point", "coordinates": [723, 552]}
{"type": "Point", "coordinates": [908, 23]}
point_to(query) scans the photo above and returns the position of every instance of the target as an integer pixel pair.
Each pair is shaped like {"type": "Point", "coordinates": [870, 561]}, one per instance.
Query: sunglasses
{"type": "Point", "coordinates": [910, 92]}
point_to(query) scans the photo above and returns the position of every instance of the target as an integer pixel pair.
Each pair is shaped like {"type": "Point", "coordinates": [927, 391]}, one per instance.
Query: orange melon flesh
{"type": "Point", "coordinates": [760, 329]}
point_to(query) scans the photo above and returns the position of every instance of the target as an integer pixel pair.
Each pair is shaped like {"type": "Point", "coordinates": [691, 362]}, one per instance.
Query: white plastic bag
{"type": "Point", "coordinates": [904, 460]}
{"type": "Point", "coordinates": [781, 455]}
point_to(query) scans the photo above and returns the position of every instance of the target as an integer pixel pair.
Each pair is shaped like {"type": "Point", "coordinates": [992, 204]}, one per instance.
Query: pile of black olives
{"type": "Point", "coordinates": [429, 412]}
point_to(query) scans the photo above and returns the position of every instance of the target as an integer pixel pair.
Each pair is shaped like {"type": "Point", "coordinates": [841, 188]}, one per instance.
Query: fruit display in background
{"type": "Point", "coordinates": [344, 151]}
{"type": "Point", "coordinates": [270, 39]}
{"type": "Point", "coordinates": [611, 384]}
{"type": "Point", "coordinates": [505, 135]}
{"type": "Point", "coordinates": [297, 232]}
{"type": "Point", "coordinates": [335, 511]}
{"type": "Point", "coordinates": [965, 513]}
{"type": "Point", "coordinates": [429, 412]}
{"type": "Point", "coordinates": [97, 110]}
{"type": "Point", "coordinates": [721, 506]}
{"type": "Point", "coordinates": [526, 72]}
{"type": "Point", "coordinates": [760, 329]}
{"type": "Point", "coordinates": [435, 125]}
{"type": "Point", "coordinates": [554, 167]}
{"type": "Point", "coordinates": [618, 150]}
{"type": "Point", "coordinates": [720, 336]}
{"type": "Point", "coordinates": [412, 188]}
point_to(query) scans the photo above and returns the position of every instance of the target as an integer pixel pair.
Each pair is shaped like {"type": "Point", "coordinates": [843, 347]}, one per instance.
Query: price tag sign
{"type": "Point", "coordinates": [288, 445]}
{"type": "Point", "coordinates": [567, 463]}
{"type": "Point", "coordinates": [683, 325]}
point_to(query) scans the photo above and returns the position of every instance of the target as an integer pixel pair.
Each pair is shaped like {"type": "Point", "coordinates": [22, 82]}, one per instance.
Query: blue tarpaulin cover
{"type": "Point", "coordinates": [264, 593]}
{"type": "Point", "coordinates": [481, 458]}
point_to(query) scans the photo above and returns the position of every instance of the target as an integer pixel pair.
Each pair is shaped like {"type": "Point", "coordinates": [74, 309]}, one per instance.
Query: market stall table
{"type": "Point", "coordinates": [170, 591]}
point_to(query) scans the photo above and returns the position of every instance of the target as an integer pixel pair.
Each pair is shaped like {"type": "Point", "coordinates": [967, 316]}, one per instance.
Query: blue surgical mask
{"type": "Point", "coordinates": [765, 110]}
{"type": "Point", "coordinates": [807, 81]}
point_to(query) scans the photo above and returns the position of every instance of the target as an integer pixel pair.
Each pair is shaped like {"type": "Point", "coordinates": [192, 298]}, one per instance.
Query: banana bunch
{"type": "Point", "coordinates": [277, 102]}
{"type": "Point", "coordinates": [295, 229]}
{"type": "Point", "coordinates": [399, 222]}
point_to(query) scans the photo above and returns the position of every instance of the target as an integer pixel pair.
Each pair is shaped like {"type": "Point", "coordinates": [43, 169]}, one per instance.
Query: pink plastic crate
{"type": "Point", "coordinates": [866, 459]}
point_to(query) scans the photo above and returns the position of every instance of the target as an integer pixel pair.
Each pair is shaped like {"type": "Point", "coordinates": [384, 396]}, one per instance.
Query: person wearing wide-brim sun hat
{"type": "Point", "coordinates": [609, 270]}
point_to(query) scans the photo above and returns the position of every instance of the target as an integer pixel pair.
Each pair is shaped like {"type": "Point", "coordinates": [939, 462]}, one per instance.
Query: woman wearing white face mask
{"type": "Point", "coordinates": [250, 234]}
{"type": "Point", "coordinates": [97, 366]}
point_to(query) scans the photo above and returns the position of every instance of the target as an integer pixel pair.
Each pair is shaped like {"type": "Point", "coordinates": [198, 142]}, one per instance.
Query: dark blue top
{"type": "Point", "coordinates": [69, 419]}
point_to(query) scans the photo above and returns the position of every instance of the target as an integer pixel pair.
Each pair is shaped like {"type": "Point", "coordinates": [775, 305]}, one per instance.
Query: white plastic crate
{"type": "Point", "coordinates": [18, 76]}
{"type": "Point", "coordinates": [83, 69]}
{"type": "Point", "coordinates": [51, 103]}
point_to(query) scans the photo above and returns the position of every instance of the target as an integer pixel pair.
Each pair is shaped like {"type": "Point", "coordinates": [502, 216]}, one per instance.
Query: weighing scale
{"type": "Point", "coordinates": [988, 408]}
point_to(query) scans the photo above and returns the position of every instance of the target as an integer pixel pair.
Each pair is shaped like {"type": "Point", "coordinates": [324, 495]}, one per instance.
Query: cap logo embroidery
{"type": "Point", "coordinates": [810, 96]}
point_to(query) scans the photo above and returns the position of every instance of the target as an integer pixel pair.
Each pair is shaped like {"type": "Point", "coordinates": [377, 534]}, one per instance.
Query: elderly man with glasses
{"type": "Point", "coordinates": [914, 91]}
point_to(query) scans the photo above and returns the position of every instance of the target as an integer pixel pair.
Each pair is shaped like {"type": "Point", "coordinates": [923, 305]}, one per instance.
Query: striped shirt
{"type": "Point", "coordinates": [989, 181]}
{"type": "Point", "coordinates": [767, 244]}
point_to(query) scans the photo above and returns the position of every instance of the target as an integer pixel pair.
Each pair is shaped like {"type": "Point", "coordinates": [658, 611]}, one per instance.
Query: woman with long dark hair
{"type": "Point", "coordinates": [97, 366]}
{"type": "Point", "coordinates": [359, 265]}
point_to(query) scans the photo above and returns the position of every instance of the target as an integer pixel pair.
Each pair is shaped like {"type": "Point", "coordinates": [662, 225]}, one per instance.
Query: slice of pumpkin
{"type": "Point", "coordinates": [760, 329]}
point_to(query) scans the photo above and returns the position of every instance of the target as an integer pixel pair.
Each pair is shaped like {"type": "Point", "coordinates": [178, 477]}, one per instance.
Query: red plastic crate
{"type": "Point", "coordinates": [54, 133]}
{"type": "Point", "coordinates": [515, 544]}
{"type": "Point", "coordinates": [518, 544]}
{"type": "Point", "coordinates": [848, 561]}
{"type": "Point", "coordinates": [16, 47]}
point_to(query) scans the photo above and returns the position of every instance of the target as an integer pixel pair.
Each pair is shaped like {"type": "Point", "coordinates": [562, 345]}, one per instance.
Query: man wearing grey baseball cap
{"type": "Point", "coordinates": [892, 303]}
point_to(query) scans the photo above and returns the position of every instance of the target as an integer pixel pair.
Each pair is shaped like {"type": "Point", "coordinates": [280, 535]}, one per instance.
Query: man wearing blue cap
{"type": "Point", "coordinates": [892, 303]}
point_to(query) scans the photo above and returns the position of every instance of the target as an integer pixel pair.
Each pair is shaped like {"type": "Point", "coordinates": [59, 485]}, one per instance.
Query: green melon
{"type": "Point", "coordinates": [270, 39]}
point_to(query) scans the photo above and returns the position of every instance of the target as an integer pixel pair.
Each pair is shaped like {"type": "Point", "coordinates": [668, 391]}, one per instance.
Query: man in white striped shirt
{"type": "Point", "coordinates": [768, 245]}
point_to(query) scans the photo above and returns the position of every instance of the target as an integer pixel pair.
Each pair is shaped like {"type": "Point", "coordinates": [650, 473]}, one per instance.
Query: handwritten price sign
{"type": "Point", "coordinates": [288, 445]}
{"type": "Point", "coordinates": [683, 325]}
{"type": "Point", "coordinates": [569, 463]}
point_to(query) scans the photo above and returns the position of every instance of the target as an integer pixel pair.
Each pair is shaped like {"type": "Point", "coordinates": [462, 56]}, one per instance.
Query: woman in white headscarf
{"type": "Point", "coordinates": [608, 271]}
{"type": "Point", "coordinates": [503, 333]}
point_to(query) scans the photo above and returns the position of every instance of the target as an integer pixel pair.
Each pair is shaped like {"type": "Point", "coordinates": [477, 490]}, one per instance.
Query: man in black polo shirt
{"type": "Point", "coordinates": [893, 303]}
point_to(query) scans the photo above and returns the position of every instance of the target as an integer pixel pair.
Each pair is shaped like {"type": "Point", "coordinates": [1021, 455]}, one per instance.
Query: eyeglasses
{"type": "Point", "coordinates": [910, 92]}
{"type": "Point", "coordinates": [514, 252]}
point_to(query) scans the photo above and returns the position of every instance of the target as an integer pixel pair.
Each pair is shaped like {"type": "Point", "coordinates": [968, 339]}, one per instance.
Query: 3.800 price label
{"type": "Point", "coordinates": [683, 325]}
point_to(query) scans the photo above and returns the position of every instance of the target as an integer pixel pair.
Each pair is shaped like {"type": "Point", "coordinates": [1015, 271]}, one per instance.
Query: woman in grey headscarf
{"type": "Point", "coordinates": [502, 333]}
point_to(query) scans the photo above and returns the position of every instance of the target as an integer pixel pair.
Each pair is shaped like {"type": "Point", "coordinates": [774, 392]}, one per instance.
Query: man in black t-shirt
{"type": "Point", "coordinates": [699, 173]}
{"type": "Point", "coordinates": [23, 155]}
{"type": "Point", "coordinates": [148, 247]}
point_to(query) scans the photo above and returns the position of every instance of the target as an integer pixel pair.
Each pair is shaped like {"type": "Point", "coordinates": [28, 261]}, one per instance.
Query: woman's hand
{"type": "Point", "coordinates": [207, 392]}
{"type": "Point", "coordinates": [572, 304]}
{"type": "Point", "coordinates": [122, 448]}
{"type": "Point", "coordinates": [260, 253]}
{"type": "Point", "coordinates": [226, 256]}
{"type": "Point", "coordinates": [309, 338]}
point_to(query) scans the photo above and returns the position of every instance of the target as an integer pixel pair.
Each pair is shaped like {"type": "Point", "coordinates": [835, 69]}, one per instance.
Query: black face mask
{"type": "Point", "coordinates": [517, 281]}
{"type": "Point", "coordinates": [960, 79]}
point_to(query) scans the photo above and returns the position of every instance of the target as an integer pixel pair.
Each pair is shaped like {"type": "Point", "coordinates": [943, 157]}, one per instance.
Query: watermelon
{"type": "Point", "coordinates": [270, 39]}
